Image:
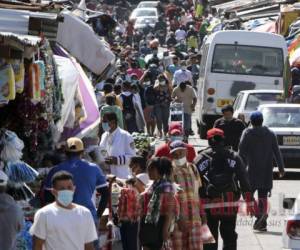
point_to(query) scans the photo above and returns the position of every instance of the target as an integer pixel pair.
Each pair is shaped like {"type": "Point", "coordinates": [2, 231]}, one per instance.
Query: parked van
{"type": "Point", "coordinates": [237, 60]}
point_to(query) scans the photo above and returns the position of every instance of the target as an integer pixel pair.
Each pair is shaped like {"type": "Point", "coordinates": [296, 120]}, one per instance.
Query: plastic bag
{"type": "Point", "coordinates": [19, 71]}
{"type": "Point", "coordinates": [42, 76]}
{"type": "Point", "coordinates": [20, 172]}
{"type": "Point", "coordinates": [34, 82]}
{"type": "Point", "coordinates": [12, 146]}
{"type": "Point", "coordinates": [206, 236]}
{"type": "Point", "coordinates": [7, 84]}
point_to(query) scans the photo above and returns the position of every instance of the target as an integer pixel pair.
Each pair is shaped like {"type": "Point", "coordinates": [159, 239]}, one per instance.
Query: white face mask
{"type": "Point", "coordinates": [162, 83]}
{"type": "Point", "coordinates": [180, 162]}
{"type": "Point", "coordinates": [183, 67]}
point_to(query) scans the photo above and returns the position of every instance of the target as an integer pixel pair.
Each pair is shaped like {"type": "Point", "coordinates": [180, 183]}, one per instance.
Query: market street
{"type": "Point", "coordinates": [271, 240]}
{"type": "Point", "coordinates": [149, 125]}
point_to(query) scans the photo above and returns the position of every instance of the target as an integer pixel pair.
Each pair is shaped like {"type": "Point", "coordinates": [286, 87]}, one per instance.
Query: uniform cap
{"type": "Point", "coordinates": [74, 144]}
{"type": "Point", "coordinates": [177, 145]}
{"type": "Point", "coordinates": [213, 132]}
{"type": "Point", "coordinates": [175, 132]}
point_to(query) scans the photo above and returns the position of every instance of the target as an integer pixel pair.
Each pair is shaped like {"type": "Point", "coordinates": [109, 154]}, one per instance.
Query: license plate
{"type": "Point", "coordinates": [223, 102]}
{"type": "Point", "coordinates": [291, 140]}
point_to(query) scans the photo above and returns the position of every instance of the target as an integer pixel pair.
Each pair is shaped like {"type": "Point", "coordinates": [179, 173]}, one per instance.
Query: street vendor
{"type": "Point", "coordinates": [119, 145]}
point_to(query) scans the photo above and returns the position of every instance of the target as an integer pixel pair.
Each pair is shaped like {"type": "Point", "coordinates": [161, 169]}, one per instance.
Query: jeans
{"type": "Point", "coordinates": [187, 123]}
{"type": "Point", "coordinates": [226, 224]}
{"type": "Point", "coordinates": [261, 207]}
{"type": "Point", "coordinates": [129, 235]}
{"type": "Point", "coordinates": [162, 113]}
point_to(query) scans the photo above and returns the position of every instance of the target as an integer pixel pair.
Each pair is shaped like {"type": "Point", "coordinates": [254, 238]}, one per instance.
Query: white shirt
{"type": "Point", "coordinates": [119, 144]}
{"type": "Point", "coordinates": [67, 229]}
{"type": "Point", "coordinates": [180, 35]}
{"type": "Point", "coordinates": [182, 76]}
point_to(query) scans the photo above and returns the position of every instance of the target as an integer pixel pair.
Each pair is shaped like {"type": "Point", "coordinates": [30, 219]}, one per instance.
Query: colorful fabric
{"type": "Point", "coordinates": [7, 84]}
{"type": "Point", "coordinates": [158, 200]}
{"type": "Point", "coordinates": [189, 240]}
{"type": "Point", "coordinates": [189, 181]}
{"type": "Point", "coordinates": [128, 207]}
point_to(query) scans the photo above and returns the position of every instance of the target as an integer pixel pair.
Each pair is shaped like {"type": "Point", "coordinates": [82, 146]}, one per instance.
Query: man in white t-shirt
{"type": "Point", "coordinates": [63, 224]}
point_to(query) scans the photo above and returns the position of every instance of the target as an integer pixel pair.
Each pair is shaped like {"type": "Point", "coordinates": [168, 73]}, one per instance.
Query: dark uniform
{"type": "Point", "coordinates": [233, 130]}
{"type": "Point", "coordinates": [224, 177]}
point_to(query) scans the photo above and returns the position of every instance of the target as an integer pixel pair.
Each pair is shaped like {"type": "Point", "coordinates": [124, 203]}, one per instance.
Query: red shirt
{"type": "Point", "coordinates": [164, 150]}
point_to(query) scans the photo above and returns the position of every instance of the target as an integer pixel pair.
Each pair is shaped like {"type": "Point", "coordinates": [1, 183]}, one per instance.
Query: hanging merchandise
{"type": "Point", "coordinates": [19, 172]}
{"type": "Point", "coordinates": [42, 70]}
{"type": "Point", "coordinates": [34, 82]}
{"type": "Point", "coordinates": [11, 146]}
{"type": "Point", "coordinates": [7, 84]}
{"type": "Point", "coordinates": [19, 72]}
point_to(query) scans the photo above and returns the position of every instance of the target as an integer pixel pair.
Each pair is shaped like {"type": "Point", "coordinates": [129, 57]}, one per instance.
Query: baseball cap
{"type": "Point", "coordinates": [175, 132]}
{"type": "Point", "coordinates": [144, 178]}
{"type": "Point", "coordinates": [257, 115]}
{"type": "Point", "coordinates": [74, 144]}
{"type": "Point", "coordinates": [176, 145]}
{"type": "Point", "coordinates": [213, 132]}
{"type": "Point", "coordinates": [3, 179]}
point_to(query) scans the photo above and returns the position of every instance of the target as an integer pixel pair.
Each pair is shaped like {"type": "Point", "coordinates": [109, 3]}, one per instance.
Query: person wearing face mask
{"type": "Point", "coordinates": [175, 135]}
{"type": "Point", "coordinates": [88, 178]}
{"type": "Point", "coordinates": [150, 99]}
{"type": "Point", "coordinates": [232, 127]}
{"type": "Point", "coordinates": [110, 107]}
{"type": "Point", "coordinates": [224, 179]}
{"type": "Point", "coordinates": [119, 145]}
{"type": "Point", "coordinates": [182, 75]}
{"type": "Point", "coordinates": [186, 95]}
{"type": "Point", "coordinates": [163, 92]}
{"type": "Point", "coordinates": [135, 70]}
{"type": "Point", "coordinates": [63, 224]}
{"type": "Point", "coordinates": [186, 235]}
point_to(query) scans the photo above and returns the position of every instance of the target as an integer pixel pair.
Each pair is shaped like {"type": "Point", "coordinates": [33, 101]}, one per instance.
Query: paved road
{"type": "Point", "coordinates": [271, 240]}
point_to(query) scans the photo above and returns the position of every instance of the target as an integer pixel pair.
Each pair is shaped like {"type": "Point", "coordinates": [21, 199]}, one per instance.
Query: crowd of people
{"type": "Point", "coordinates": [167, 197]}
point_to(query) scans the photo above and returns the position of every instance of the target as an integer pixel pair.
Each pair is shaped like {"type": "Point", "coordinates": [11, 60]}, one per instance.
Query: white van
{"type": "Point", "coordinates": [233, 61]}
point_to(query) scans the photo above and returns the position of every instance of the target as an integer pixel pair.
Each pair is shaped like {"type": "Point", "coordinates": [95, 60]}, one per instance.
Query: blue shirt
{"type": "Point", "coordinates": [87, 178]}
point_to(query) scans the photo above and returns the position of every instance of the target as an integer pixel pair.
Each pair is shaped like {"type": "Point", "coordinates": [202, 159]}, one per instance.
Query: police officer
{"type": "Point", "coordinates": [224, 177]}
{"type": "Point", "coordinates": [119, 146]}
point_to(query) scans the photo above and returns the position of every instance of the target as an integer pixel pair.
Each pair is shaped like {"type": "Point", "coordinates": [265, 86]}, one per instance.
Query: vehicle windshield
{"type": "Point", "coordinates": [147, 5]}
{"type": "Point", "coordinates": [285, 117]}
{"type": "Point", "coordinates": [141, 13]}
{"type": "Point", "coordinates": [254, 100]}
{"type": "Point", "coordinates": [248, 60]}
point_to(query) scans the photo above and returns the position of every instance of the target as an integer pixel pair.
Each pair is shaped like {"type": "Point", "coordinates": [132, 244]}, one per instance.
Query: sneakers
{"type": "Point", "coordinates": [260, 224]}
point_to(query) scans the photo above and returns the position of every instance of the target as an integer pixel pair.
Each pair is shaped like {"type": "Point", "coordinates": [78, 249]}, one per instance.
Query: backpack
{"type": "Point", "coordinates": [128, 107]}
{"type": "Point", "coordinates": [220, 178]}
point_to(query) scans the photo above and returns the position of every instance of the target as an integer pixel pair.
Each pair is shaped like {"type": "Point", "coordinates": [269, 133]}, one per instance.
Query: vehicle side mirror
{"type": "Point", "coordinates": [288, 203]}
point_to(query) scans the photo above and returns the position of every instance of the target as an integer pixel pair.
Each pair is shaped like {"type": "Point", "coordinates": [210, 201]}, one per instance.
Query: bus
{"type": "Point", "coordinates": [233, 61]}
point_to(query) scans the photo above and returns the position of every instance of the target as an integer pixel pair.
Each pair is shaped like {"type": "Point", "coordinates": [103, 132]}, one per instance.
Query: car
{"type": "Point", "coordinates": [141, 23]}
{"type": "Point", "coordinates": [148, 4]}
{"type": "Point", "coordinates": [284, 120]}
{"type": "Point", "coordinates": [248, 101]}
{"type": "Point", "coordinates": [143, 13]}
{"type": "Point", "coordinates": [291, 233]}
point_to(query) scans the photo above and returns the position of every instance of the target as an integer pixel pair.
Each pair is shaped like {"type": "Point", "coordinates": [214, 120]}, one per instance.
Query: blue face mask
{"type": "Point", "coordinates": [65, 197]}
{"type": "Point", "coordinates": [176, 138]}
{"type": "Point", "coordinates": [105, 126]}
